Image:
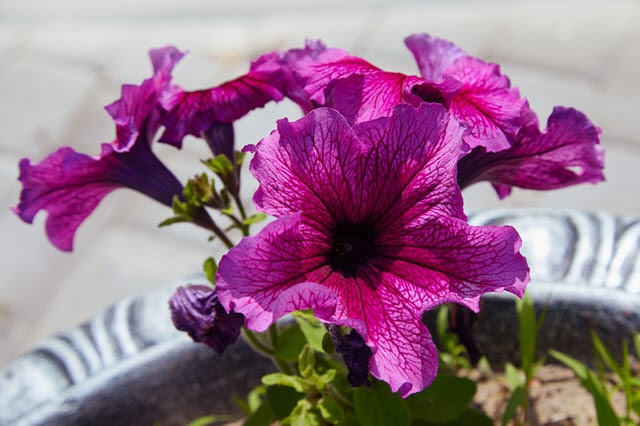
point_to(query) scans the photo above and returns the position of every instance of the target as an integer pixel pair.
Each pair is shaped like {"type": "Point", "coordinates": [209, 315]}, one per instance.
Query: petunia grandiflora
{"type": "Point", "coordinates": [508, 149]}
{"type": "Point", "coordinates": [369, 233]}
{"type": "Point", "coordinates": [70, 185]}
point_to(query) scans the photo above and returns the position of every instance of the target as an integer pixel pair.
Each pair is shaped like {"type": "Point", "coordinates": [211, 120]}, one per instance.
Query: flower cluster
{"type": "Point", "coordinates": [365, 190]}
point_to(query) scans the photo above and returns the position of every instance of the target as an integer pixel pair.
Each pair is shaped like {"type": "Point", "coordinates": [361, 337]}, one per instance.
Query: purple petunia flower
{"type": "Point", "coordinates": [202, 113]}
{"type": "Point", "coordinates": [483, 99]}
{"type": "Point", "coordinates": [567, 153]}
{"type": "Point", "coordinates": [370, 233]}
{"type": "Point", "coordinates": [196, 310]}
{"type": "Point", "coordinates": [475, 92]}
{"type": "Point", "coordinates": [69, 185]}
{"type": "Point", "coordinates": [138, 112]}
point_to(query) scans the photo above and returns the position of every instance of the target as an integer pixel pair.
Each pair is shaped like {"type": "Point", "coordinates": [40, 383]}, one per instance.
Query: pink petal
{"type": "Point", "coordinates": [137, 112]}
{"type": "Point", "coordinates": [300, 168]}
{"type": "Point", "coordinates": [567, 153]}
{"type": "Point", "coordinates": [191, 113]}
{"type": "Point", "coordinates": [264, 276]}
{"type": "Point", "coordinates": [433, 55]}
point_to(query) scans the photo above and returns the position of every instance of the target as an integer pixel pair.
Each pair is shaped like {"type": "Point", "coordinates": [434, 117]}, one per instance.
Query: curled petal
{"type": "Point", "coordinates": [297, 67]}
{"type": "Point", "coordinates": [482, 99]}
{"type": "Point", "coordinates": [196, 310]}
{"type": "Point", "coordinates": [192, 113]}
{"type": "Point", "coordinates": [355, 353]}
{"type": "Point", "coordinates": [138, 111]}
{"type": "Point", "coordinates": [433, 55]}
{"type": "Point", "coordinates": [567, 153]}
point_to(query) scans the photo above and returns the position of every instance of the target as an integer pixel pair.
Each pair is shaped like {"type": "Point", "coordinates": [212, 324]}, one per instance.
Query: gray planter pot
{"type": "Point", "coordinates": [128, 366]}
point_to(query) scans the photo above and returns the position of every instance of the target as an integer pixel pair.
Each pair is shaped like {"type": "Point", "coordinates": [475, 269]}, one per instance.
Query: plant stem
{"type": "Point", "coordinates": [202, 219]}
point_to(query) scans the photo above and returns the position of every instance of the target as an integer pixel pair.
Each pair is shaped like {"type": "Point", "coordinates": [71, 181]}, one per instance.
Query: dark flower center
{"type": "Point", "coordinates": [352, 247]}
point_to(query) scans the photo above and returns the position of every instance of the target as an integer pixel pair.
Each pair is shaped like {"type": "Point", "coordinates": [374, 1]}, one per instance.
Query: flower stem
{"type": "Point", "coordinates": [205, 221]}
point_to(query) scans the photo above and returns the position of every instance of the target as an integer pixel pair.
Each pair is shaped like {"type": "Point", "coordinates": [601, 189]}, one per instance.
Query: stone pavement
{"type": "Point", "coordinates": [62, 61]}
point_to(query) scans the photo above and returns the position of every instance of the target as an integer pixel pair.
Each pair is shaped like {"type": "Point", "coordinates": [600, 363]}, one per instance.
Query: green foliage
{"type": "Point", "coordinates": [601, 386]}
{"type": "Point", "coordinates": [452, 354]}
{"type": "Point", "coordinates": [445, 400]}
{"type": "Point", "coordinates": [313, 330]}
{"type": "Point", "coordinates": [210, 267]}
{"type": "Point", "coordinates": [378, 406]}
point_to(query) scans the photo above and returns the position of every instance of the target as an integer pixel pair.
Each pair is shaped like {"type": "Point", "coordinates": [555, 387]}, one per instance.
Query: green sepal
{"type": "Point", "coordinates": [220, 165]}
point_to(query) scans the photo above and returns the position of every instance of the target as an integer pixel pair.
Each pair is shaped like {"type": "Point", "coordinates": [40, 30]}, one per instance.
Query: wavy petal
{"type": "Point", "coordinates": [567, 153]}
{"type": "Point", "coordinates": [70, 185]}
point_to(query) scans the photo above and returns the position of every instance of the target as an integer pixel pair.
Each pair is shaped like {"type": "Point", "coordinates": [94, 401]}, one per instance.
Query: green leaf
{"type": "Point", "coordinates": [262, 416]}
{"type": "Point", "coordinates": [298, 383]}
{"type": "Point", "coordinates": [444, 400]}
{"type": "Point", "coordinates": [254, 399]}
{"type": "Point", "coordinates": [513, 376]}
{"type": "Point", "coordinates": [304, 415]}
{"type": "Point", "coordinates": [528, 333]}
{"type": "Point", "coordinates": [254, 218]}
{"type": "Point", "coordinates": [518, 397]}
{"type": "Point", "coordinates": [290, 343]}
{"type": "Point", "coordinates": [330, 410]}
{"type": "Point", "coordinates": [605, 355]}
{"type": "Point", "coordinates": [307, 362]}
{"type": "Point", "coordinates": [378, 406]}
{"type": "Point", "coordinates": [636, 343]}
{"type": "Point", "coordinates": [282, 400]}
{"type": "Point", "coordinates": [313, 329]}
{"type": "Point", "coordinates": [592, 383]}
{"type": "Point", "coordinates": [327, 344]}
{"type": "Point", "coordinates": [209, 420]}
{"type": "Point", "coordinates": [468, 418]}
{"type": "Point", "coordinates": [209, 267]}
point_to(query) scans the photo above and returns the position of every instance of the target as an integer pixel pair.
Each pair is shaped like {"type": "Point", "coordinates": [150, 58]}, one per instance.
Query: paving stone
{"type": "Point", "coordinates": [564, 36]}
{"type": "Point", "coordinates": [37, 98]}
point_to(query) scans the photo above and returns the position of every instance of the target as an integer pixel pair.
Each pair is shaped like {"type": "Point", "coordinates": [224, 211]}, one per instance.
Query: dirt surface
{"type": "Point", "coordinates": [557, 398]}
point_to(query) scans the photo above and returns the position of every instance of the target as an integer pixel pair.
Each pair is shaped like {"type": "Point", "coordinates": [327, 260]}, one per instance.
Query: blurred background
{"type": "Point", "coordinates": [61, 62]}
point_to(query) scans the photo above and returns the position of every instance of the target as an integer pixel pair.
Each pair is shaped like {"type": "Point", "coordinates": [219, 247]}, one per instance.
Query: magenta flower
{"type": "Point", "coordinates": [298, 67]}
{"type": "Point", "coordinates": [196, 310]}
{"type": "Point", "coordinates": [138, 112]}
{"type": "Point", "coordinates": [477, 94]}
{"type": "Point", "coordinates": [202, 113]}
{"type": "Point", "coordinates": [567, 153]}
{"type": "Point", "coordinates": [370, 234]}
{"type": "Point", "coordinates": [69, 185]}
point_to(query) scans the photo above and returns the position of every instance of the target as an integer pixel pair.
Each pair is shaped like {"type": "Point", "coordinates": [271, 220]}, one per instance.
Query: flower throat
{"type": "Point", "coordinates": [352, 247]}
